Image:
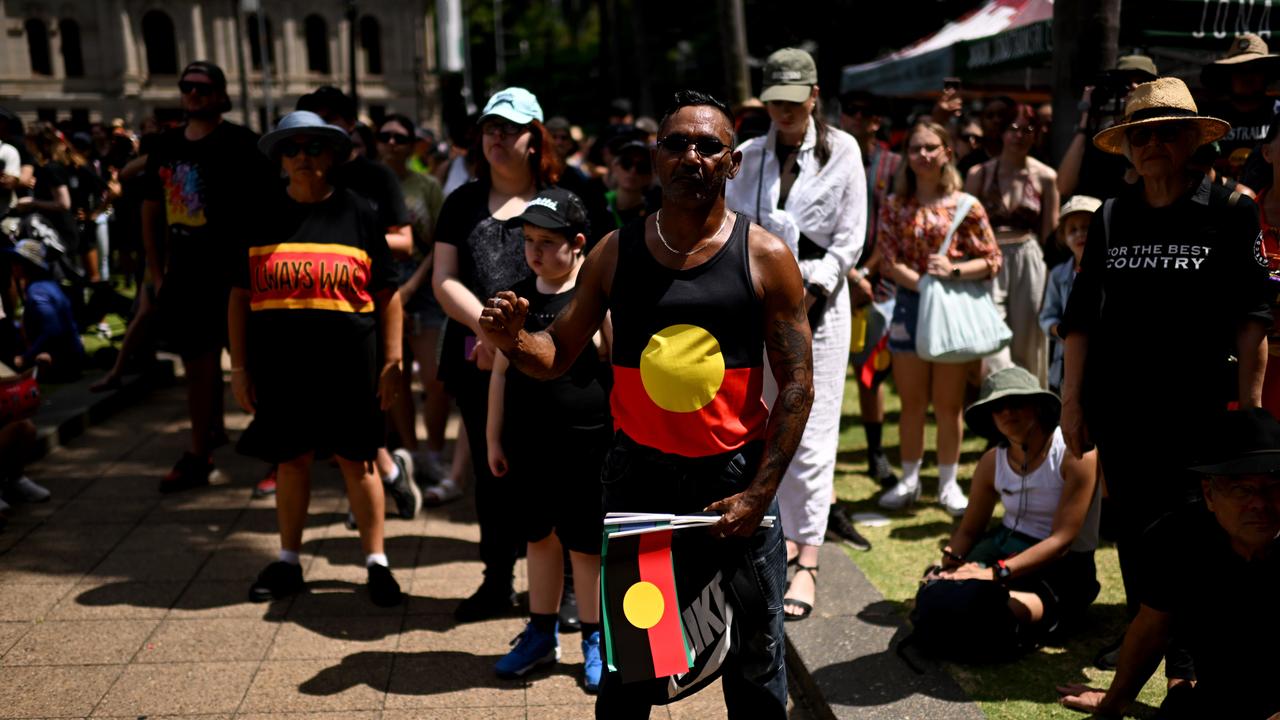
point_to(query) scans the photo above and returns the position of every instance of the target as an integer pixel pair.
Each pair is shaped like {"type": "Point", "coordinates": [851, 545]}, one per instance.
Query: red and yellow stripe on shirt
{"type": "Point", "coordinates": [309, 276]}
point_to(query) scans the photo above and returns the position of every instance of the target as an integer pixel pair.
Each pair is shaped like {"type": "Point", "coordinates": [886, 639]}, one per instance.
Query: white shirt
{"type": "Point", "coordinates": [827, 204]}
{"type": "Point", "coordinates": [10, 164]}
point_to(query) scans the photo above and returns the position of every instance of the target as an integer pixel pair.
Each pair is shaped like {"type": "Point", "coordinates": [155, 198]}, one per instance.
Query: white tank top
{"type": "Point", "coordinates": [1030, 502]}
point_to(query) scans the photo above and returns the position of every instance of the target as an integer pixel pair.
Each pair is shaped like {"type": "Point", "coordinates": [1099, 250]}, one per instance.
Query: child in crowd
{"type": "Point", "coordinates": [548, 439]}
{"type": "Point", "coordinates": [1073, 229]}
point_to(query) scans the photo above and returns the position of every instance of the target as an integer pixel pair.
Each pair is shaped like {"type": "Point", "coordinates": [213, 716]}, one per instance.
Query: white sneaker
{"type": "Point", "coordinates": [899, 496]}
{"type": "Point", "coordinates": [25, 489]}
{"type": "Point", "coordinates": [952, 499]}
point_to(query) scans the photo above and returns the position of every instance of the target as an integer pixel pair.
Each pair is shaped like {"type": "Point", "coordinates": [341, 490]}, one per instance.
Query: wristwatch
{"type": "Point", "coordinates": [955, 271]}
{"type": "Point", "coordinates": [1002, 572]}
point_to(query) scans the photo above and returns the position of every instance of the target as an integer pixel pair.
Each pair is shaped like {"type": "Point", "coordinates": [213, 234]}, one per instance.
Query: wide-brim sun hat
{"type": "Point", "coordinates": [789, 75]}
{"type": "Point", "coordinates": [1010, 382]}
{"type": "Point", "coordinates": [1248, 53]}
{"type": "Point", "coordinates": [1241, 442]}
{"type": "Point", "coordinates": [1163, 100]}
{"type": "Point", "coordinates": [515, 104]}
{"type": "Point", "coordinates": [29, 251]}
{"type": "Point", "coordinates": [305, 122]}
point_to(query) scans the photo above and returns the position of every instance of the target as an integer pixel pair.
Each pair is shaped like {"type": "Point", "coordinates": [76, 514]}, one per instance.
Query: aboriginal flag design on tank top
{"type": "Point", "coordinates": [688, 355]}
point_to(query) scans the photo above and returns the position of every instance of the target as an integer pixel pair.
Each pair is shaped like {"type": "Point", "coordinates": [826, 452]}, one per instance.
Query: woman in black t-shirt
{"type": "Point", "coordinates": [477, 255]}
{"type": "Point", "coordinates": [315, 328]}
{"type": "Point", "coordinates": [51, 197]}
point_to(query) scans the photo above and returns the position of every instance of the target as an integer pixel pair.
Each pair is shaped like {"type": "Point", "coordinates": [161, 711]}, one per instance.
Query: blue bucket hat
{"type": "Point", "coordinates": [515, 104]}
{"type": "Point", "coordinates": [305, 122]}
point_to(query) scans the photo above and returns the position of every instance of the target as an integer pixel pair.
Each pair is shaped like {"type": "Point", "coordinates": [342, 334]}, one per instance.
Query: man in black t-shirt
{"type": "Point", "coordinates": [1216, 576]}
{"type": "Point", "coordinates": [1242, 77]}
{"type": "Point", "coordinates": [202, 181]}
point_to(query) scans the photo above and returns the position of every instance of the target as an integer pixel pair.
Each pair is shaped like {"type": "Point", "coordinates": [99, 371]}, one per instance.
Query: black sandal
{"type": "Point", "coordinates": [806, 609]}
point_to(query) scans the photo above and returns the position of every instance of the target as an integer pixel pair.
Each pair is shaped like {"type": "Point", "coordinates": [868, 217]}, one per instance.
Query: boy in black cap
{"type": "Point", "coordinates": [549, 440]}
{"type": "Point", "coordinates": [1214, 575]}
{"type": "Point", "coordinates": [202, 183]}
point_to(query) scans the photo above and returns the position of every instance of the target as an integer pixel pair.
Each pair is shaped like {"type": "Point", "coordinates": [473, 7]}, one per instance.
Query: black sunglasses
{"type": "Point", "coordinates": [313, 148]}
{"type": "Point", "coordinates": [1164, 132]}
{"type": "Point", "coordinates": [199, 88]}
{"type": "Point", "coordinates": [640, 165]}
{"type": "Point", "coordinates": [394, 138]}
{"type": "Point", "coordinates": [704, 146]}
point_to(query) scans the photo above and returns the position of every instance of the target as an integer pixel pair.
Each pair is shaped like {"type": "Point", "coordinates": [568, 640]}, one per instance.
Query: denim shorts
{"type": "Point", "coordinates": [902, 329]}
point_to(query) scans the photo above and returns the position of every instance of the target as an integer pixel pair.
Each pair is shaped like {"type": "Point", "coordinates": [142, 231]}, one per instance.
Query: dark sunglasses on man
{"type": "Point", "coordinates": [199, 88]}
{"type": "Point", "coordinates": [312, 148]}
{"type": "Point", "coordinates": [704, 146]}
{"type": "Point", "coordinates": [395, 138]}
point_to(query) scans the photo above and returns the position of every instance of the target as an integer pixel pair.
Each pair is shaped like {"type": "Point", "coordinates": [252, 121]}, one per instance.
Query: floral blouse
{"type": "Point", "coordinates": [910, 233]}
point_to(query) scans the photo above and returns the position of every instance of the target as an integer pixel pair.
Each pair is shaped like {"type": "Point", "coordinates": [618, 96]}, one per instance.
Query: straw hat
{"type": "Point", "coordinates": [1248, 53]}
{"type": "Point", "coordinates": [1160, 101]}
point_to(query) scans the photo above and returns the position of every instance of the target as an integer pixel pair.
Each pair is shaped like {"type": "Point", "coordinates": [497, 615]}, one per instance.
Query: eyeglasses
{"type": "Point", "coordinates": [394, 138]}
{"type": "Point", "coordinates": [1242, 493]}
{"type": "Point", "coordinates": [704, 146]}
{"type": "Point", "coordinates": [199, 88]}
{"type": "Point", "coordinates": [640, 165]}
{"type": "Point", "coordinates": [312, 148]}
{"type": "Point", "coordinates": [971, 137]}
{"type": "Point", "coordinates": [1023, 130]}
{"type": "Point", "coordinates": [1164, 133]}
{"type": "Point", "coordinates": [924, 150]}
{"type": "Point", "coordinates": [505, 130]}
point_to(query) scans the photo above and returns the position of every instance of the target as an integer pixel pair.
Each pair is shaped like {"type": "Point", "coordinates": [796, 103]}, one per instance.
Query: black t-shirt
{"type": "Point", "coordinates": [312, 271]}
{"type": "Point", "coordinates": [86, 187]}
{"type": "Point", "coordinates": [577, 400]}
{"type": "Point", "coordinates": [1161, 301]}
{"type": "Point", "coordinates": [376, 183]}
{"type": "Point", "coordinates": [1101, 173]}
{"type": "Point", "coordinates": [1248, 130]}
{"type": "Point", "coordinates": [49, 177]}
{"type": "Point", "coordinates": [490, 252]}
{"type": "Point", "coordinates": [1224, 607]}
{"type": "Point", "coordinates": [211, 189]}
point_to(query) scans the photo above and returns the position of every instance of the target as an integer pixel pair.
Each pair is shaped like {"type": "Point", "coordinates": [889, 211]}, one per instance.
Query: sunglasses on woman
{"type": "Point", "coordinates": [312, 148]}
{"type": "Point", "coordinates": [394, 138]}
{"type": "Point", "coordinates": [639, 165]}
{"type": "Point", "coordinates": [704, 146]}
{"type": "Point", "coordinates": [1163, 133]}
{"type": "Point", "coordinates": [505, 130]}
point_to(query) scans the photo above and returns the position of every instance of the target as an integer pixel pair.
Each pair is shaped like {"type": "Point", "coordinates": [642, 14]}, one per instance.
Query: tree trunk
{"type": "Point", "coordinates": [1085, 36]}
{"type": "Point", "coordinates": [734, 43]}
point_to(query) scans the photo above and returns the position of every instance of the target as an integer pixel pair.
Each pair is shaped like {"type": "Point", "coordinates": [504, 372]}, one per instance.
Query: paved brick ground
{"type": "Point", "coordinates": [117, 602]}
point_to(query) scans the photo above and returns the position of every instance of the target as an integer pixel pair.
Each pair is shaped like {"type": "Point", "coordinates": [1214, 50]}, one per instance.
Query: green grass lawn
{"type": "Point", "coordinates": [1018, 690]}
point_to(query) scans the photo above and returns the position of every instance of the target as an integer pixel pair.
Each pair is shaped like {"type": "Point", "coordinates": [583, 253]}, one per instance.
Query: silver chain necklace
{"type": "Point", "coordinates": [658, 225]}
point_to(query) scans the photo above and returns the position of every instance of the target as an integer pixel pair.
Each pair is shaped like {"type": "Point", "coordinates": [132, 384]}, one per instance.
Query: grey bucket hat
{"type": "Point", "coordinates": [305, 122]}
{"type": "Point", "coordinates": [1010, 382]}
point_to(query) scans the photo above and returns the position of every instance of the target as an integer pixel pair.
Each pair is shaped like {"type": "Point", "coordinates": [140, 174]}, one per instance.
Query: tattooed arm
{"type": "Point", "coordinates": [790, 347]}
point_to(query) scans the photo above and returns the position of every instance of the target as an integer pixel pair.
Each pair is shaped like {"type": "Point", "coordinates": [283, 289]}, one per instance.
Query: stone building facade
{"type": "Point", "coordinates": [92, 60]}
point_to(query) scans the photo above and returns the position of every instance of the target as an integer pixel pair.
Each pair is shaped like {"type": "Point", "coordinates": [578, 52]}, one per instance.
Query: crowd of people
{"type": "Point", "coordinates": [663, 318]}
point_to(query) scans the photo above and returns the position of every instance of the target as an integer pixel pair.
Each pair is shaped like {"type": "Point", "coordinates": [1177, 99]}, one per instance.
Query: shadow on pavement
{"type": "Point", "coordinates": [420, 674]}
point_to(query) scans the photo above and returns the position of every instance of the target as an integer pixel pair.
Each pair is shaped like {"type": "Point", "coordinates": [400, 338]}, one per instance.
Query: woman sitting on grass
{"type": "Point", "coordinates": [1042, 552]}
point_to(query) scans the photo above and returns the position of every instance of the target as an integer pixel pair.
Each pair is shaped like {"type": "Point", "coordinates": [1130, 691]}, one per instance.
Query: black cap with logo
{"type": "Point", "coordinates": [555, 209]}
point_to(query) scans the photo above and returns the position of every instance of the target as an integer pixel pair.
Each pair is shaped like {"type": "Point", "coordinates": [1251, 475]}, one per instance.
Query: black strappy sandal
{"type": "Point", "coordinates": [805, 608]}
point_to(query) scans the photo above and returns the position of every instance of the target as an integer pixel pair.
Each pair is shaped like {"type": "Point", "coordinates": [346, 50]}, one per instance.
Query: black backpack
{"type": "Point", "coordinates": [965, 621]}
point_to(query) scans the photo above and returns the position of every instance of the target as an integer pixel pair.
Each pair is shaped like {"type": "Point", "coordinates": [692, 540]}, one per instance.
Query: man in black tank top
{"type": "Point", "coordinates": [696, 292]}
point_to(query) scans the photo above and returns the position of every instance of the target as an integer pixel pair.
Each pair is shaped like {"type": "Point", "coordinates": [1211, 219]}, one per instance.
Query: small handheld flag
{"type": "Point", "coordinates": [644, 637]}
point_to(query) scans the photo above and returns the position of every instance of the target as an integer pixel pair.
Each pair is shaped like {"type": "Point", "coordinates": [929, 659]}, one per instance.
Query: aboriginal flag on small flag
{"type": "Point", "coordinates": [644, 638]}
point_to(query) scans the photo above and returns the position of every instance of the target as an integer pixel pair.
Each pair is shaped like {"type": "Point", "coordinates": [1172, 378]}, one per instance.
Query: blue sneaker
{"type": "Point", "coordinates": [532, 649]}
{"type": "Point", "coordinates": [592, 664]}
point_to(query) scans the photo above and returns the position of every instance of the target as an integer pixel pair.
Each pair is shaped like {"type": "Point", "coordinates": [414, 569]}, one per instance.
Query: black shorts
{"type": "Point", "coordinates": [556, 485]}
{"type": "Point", "coordinates": [192, 314]}
{"type": "Point", "coordinates": [312, 412]}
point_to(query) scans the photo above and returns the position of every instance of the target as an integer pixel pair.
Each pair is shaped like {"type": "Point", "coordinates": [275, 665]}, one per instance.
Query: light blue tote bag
{"type": "Point", "coordinates": [958, 321]}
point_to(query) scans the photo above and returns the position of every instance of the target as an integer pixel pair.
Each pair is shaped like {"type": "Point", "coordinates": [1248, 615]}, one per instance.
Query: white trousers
{"type": "Point", "coordinates": [804, 497]}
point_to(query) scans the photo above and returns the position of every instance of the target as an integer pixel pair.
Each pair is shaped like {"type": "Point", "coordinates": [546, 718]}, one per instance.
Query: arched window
{"type": "Point", "coordinates": [255, 48]}
{"type": "Point", "coordinates": [371, 43]}
{"type": "Point", "coordinates": [38, 47]}
{"type": "Point", "coordinates": [157, 37]}
{"type": "Point", "coordinates": [72, 55]}
{"type": "Point", "coordinates": [317, 33]}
